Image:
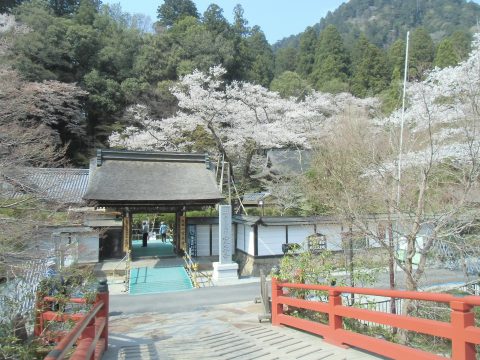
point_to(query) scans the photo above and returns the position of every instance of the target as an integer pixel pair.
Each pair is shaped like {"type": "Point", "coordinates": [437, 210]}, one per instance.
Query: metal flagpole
{"type": "Point", "coordinates": [394, 240]}
{"type": "Point", "coordinates": [405, 73]}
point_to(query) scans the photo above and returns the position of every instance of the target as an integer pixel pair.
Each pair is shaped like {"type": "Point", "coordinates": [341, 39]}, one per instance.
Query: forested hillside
{"type": "Point", "coordinates": [360, 47]}
{"type": "Point", "coordinates": [384, 21]}
{"type": "Point", "coordinates": [76, 67]}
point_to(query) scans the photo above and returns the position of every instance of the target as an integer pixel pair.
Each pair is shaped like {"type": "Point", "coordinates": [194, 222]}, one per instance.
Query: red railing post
{"type": "Point", "coordinates": [335, 322]}
{"type": "Point", "coordinates": [277, 308]}
{"type": "Point", "coordinates": [89, 333]}
{"type": "Point", "coordinates": [461, 317]}
{"type": "Point", "coordinates": [39, 309]}
{"type": "Point", "coordinates": [103, 294]}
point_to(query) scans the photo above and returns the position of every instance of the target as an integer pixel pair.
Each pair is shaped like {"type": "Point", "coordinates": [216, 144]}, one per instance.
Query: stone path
{"type": "Point", "coordinates": [230, 331]}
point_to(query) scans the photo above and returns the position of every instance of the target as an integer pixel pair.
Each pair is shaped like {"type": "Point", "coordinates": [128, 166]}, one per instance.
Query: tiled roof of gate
{"type": "Point", "coordinates": [140, 176]}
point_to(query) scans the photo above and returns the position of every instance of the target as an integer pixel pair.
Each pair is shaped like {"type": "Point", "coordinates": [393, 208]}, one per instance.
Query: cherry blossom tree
{"type": "Point", "coordinates": [242, 119]}
{"type": "Point", "coordinates": [33, 118]}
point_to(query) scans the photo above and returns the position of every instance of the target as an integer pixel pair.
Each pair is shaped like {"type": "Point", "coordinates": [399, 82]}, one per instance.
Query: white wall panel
{"type": "Point", "coordinates": [333, 234]}
{"type": "Point", "coordinates": [270, 240]}
{"type": "Point", "coordinates": [298, 233]}
{"type": "Point", "coordinates": [241, 237]}
{"type": "Point", "coordinates": [214, 240]}
{"type": "Point", "coordinates": [203, 240]}
{"type": "Point", "coordinates": [250, 240]}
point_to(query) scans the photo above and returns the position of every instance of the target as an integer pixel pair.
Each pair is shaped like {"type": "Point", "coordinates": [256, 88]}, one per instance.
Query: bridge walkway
{"type": "Point", "coordinates": [228, 331]}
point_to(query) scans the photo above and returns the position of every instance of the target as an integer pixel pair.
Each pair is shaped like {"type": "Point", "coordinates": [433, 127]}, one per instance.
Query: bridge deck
{"type": "Point", "coordinates": [229, 331]}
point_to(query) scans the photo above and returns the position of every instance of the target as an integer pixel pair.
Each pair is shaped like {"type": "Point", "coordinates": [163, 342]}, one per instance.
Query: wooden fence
{"type": "Point", "coordinates": [461, 329]}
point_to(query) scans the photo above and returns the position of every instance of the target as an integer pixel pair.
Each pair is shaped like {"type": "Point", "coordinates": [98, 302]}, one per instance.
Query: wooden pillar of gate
{"type": "Point", "coordinates": [180, 231]}
{"type": "Point", "coordinates": [127, 230]}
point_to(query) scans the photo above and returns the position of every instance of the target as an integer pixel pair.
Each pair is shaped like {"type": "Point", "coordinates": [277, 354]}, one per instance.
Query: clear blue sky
{"type": "Point", "coordinates": [277, 18]}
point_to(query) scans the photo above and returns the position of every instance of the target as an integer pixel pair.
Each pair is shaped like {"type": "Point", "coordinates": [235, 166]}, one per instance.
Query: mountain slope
{"type": "Point", "coordinates": [384, 21]}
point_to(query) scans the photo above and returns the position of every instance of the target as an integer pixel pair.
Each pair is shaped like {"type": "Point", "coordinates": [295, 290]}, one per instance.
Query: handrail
{"type": "Point", "coordinates": [191, 268]}
{"type": "Point", "coordinates": [90, 332]}
{"type": "Point", "coordinates": [460, 330]}
{"type": "Point", "coordinates": [127, 270]}
{"type": "Point", "coordinates": [68, 341]}
{"type": "Point", "coordinates": [125, 258]}
{"type": "Point", "coordinates": [412, 295]}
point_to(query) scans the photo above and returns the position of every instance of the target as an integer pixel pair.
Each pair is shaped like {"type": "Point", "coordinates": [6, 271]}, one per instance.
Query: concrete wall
{"type": "Point", "coordinates": [250, 266]}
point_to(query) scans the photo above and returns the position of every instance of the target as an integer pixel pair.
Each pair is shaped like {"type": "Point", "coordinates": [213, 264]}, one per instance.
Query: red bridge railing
{"type": "Point", "coordinates": [90, 333]}
{"type": "Point", "coordinates": [460, 329]}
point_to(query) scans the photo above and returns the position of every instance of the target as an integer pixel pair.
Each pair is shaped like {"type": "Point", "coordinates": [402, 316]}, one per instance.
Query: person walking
{"type": "Point", "coordinates": [145, 233]}
{"type": "Point", "coordinates": [163, 231]}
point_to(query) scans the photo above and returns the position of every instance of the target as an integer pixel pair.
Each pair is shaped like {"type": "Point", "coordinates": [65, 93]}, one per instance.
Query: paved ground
{"type": "Point", "coordinates": [229, 331]}
{"type": "Point", "coordinates": [184, 301]}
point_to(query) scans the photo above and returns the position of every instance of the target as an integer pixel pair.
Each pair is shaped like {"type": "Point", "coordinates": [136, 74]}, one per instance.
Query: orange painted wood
{"type": "Point", "coordinates": [103, 314]}
{"type": "Point", "coordinates": [71, 300]}
{"type": "Point", "coordinates": [277, 307]}
{"type": "Point", "coordinates": [471, 300]}
{"type": "Point", "coordinates": [304, 304]}
{"type": "Point", "coordinates": [85, 350]}
{"type": "Point", "coordinates": [385, 348]}
{"type": "Point", "coordinates": [335, 321]}
{"type": "Point", "coordinates": [431, 327]}
{"type": "Point", "coordinates": [414, 295]}
{"type": "Point", "coordinates": [461, 318]}
{"type": "Point", "coordinates": [59, 317]}
{"type": "Point", "coordinates": [85, 329]}
{"type": "Point", "coordinates": [100, 349]}
{"type": "Point", "coordinates": [461, 328]}
{"type": "Point", "coordinates": [472, 334]}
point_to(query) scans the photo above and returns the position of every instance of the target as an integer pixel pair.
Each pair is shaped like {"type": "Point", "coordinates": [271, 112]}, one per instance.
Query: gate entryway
{"type": "Point", "coordinates": [133, 182]}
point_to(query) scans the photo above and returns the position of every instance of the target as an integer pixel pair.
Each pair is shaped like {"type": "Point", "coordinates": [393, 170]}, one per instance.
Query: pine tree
{"type": "Point", "coordinates": [172, 11]}
{"type": "Point", "coordinates": [445, 55]}
{"type": "Point", "coordinates": [214, 20]}
{"type": "Point", "coordinates": [261, 58]}
{"type": "Point", "coordinates": [396, 56]}
{"type": "Point", "coordinates": [285, 60]}
{"type": "Point", "coordinates": [331, 61]}
{"type": "Point", "coordinates": [370, 69]}
{"type": "Point", "coordinates": [306, 52]}
{"type": "Point", "coordinates": [461, 41]}
{"type": "Point", "coordinates": [421, 53]}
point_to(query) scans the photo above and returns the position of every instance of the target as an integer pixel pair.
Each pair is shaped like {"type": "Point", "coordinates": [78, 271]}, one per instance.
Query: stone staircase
{"type": "Point", "coordinates": [147, 280]}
